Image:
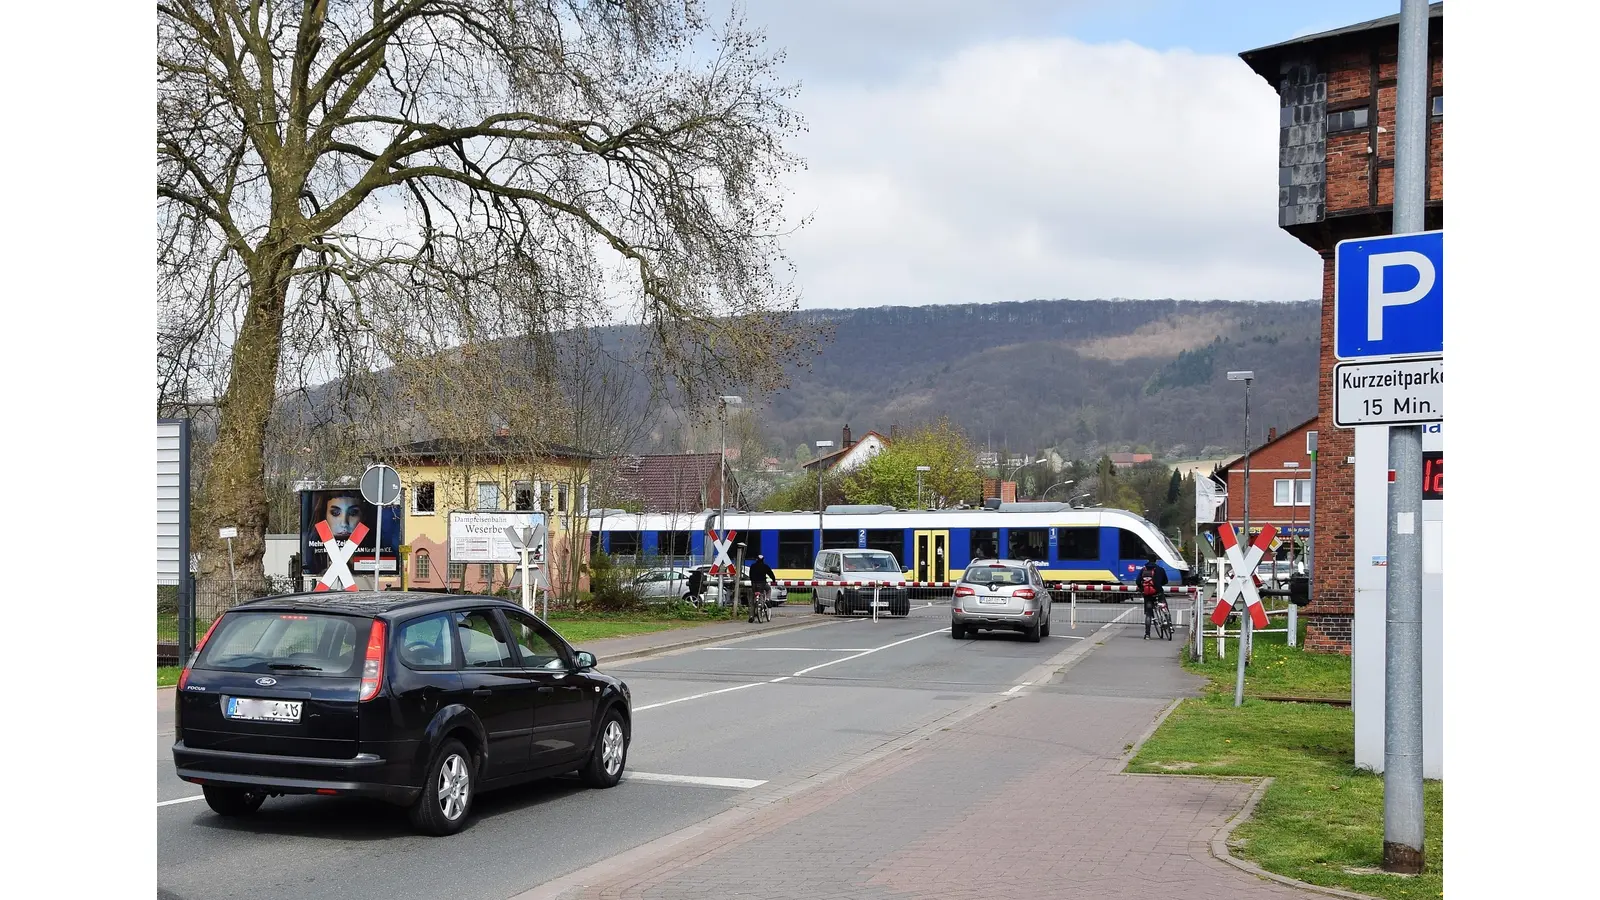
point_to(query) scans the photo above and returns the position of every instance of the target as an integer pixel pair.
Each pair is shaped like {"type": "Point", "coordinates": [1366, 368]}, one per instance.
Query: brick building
{"type": "Point", "coordinates": [1280, 483]}
{"type": "Point", "coordinates": [1336, 96]}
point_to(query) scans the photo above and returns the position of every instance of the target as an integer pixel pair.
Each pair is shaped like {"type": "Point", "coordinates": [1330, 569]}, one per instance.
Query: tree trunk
{"type": "Point", "coordinates": [235, 484]}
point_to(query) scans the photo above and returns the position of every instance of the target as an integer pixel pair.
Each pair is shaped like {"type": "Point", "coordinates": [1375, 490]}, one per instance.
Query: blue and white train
{"type": "Point", "coordinates": [1071, 545]}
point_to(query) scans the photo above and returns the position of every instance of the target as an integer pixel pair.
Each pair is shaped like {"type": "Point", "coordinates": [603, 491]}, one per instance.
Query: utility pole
{"type": "Point", "coordinates": [1402, 691]}
{"type": "Point", "coordinates": [723, 403]}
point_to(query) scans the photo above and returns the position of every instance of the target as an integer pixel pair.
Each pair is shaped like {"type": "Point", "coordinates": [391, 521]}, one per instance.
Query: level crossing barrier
{"type": "Point", "coordinates": [1181, 599]}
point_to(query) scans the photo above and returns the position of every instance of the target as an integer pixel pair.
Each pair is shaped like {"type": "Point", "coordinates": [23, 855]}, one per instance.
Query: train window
{"type": "Point", "coordinates": [673, 544]}
{"type": "Point", "coordinates": [839, 537]}
{"type": "Point", "coordinates": [752, 545]}
{"type": "Point", "coordinates": [985, 543]}
{"type": "Point", "coordinates": [1078, 543]}
{"type": "Point", "coordinates": [1029, 543]}
{"type": "Point", "coordinates": [889, 540]}
{"type": "Point", "coordinates": [594, 543]}
{"type": "Point", "coordinates": [1131, 546]}
{"type": "Point", "coordinates": [624, 543]}
{"type": "Point", "coordinates": [795, 549]}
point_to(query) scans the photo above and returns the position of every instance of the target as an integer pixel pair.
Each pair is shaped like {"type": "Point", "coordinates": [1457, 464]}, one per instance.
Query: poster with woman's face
{"type": "Point", "coordinates": [344, 512]}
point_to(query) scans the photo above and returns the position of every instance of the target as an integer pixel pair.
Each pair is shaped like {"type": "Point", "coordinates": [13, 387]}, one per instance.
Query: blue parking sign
{"type": "Point", "coordinates": [1388, 296]}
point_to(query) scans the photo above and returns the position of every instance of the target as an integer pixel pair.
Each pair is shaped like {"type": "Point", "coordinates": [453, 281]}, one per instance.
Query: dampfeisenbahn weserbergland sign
{"type": "Point", "coordinates": [1391, 392]}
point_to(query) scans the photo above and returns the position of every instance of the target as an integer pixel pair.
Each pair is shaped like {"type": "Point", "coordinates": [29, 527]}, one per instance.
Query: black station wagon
{"type": "Point", "coordinates": [421, 700]}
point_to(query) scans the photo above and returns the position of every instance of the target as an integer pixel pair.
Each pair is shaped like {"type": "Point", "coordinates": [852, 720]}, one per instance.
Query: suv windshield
{"type": "Point", "coordinates": [996, 575]}
{"type": "Point", "coordinates": [869, 562]}
{"type": "Point", "coordinates": [308, 643]}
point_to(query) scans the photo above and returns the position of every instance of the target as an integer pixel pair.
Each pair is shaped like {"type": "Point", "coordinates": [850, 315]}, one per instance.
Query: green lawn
{"type": "Point", "coordinates": [1322, 819]}
{"type": "Point", "coordinates": [166, 675]}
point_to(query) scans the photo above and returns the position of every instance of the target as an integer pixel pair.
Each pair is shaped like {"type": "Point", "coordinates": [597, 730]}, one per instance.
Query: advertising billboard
{"type": "Point", "coordinates": [346, 516]}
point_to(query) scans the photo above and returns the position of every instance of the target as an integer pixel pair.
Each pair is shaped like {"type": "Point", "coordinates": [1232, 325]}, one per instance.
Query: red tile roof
{"type": "Point", "coordinates": [675, 482]}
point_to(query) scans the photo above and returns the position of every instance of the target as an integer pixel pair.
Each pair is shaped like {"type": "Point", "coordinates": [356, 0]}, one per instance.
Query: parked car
{"type": "Point", "coordinates": [858, 569]}
{"type": "Point", "coordinates": [779, 593]}
{"type": "Point", "coordinates": [420, 700]}
{"type": "Point", "coordinates": [660, 585]}
{"type": "Point", "coordinates": [1001, 595]}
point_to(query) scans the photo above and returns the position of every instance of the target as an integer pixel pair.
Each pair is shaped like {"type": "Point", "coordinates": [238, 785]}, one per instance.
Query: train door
{"type": "Point", "coordinates": [932, 556]}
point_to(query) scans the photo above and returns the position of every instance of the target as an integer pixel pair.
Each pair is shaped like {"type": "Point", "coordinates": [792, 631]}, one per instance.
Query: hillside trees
{"type": "Point", "coordinates": [891, 476]}
{"type": "Point", "coordinates": [499, 162]}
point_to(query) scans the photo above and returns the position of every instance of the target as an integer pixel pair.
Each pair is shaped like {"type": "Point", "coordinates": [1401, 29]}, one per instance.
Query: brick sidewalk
{"type": "Point", "coordinates": [1022, 800]}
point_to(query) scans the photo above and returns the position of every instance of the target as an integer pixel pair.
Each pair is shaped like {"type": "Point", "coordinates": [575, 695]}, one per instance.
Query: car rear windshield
{"type": "Point", "coordinates": [997, 575]}
{"type": "Point", "coordinates": [869, 562]}
{"type": "Point", "coordinates": [302, 643]}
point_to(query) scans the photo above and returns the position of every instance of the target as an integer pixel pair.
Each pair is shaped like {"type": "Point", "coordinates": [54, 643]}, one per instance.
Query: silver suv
{"type": "Point", "coordinates": [1001, 595]}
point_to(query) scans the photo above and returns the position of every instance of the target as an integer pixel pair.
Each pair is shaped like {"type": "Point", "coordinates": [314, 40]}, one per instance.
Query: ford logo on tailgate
{"type": "Point", "coordinates": [266, 680]}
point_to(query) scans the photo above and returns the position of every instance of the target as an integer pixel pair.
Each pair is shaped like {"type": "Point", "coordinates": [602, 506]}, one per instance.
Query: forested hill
{"type": "Point", "coordinates": [1084, 376]}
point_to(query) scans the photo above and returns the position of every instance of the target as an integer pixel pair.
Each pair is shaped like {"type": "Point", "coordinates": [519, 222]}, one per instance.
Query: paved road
{"type": "Point", "coordinates": [768, 710]}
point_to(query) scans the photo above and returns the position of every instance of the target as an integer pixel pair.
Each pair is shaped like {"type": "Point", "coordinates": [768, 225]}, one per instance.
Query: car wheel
{"type": "Point", "coordinates": [1034, 633]}
{"type": "Point", "coordinates": [610, 754]}
{"type": "Point", "coordinates": [446, 791]}
{"type": "Point", "coordinates": [1044, 630]}
{"type": "Point", "coordinates": [233, 801]}
{"type": "Point", "coordinates": [816, 604]}
{"type": "Point", "coordinates": [957, 631]}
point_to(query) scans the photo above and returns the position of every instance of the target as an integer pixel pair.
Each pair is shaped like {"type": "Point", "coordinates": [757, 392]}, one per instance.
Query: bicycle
{"type": "Point", "coordinates": [759, 611]}
{"type": "Point", "coordinates": [1163, 620]}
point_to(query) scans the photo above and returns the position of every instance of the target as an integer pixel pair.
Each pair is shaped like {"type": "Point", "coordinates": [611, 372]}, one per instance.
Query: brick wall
{"type": "Point", "coordinates": [1267, 467]}
{"type": "Point", "coordinates": [1333, 556]}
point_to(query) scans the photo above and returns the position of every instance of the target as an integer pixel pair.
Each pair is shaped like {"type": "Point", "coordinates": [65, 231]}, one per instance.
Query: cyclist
{"type": "Point", "coordinates": [761, 575]}
{"type": "Point", "coordinates": [1153, 585]}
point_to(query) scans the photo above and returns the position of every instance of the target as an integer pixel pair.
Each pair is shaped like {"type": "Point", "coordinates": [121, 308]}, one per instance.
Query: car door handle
{"type": "Point", "coordinates": [547, 690]}
{"type": "Point", "coordinates": [482, 692]}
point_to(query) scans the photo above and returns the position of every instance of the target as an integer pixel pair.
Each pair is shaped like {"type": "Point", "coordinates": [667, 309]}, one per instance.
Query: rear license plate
{"type": "Point", "coordinates": [264, 710]}
{"type": "Point", "coordinates": [1000, 602]}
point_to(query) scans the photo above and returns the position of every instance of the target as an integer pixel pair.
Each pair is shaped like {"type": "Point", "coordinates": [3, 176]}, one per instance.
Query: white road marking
{"type": "Point", "coordinates": [181, 800]}
{"type": "Point", "coordinates": [783, 678]}
{"type": "Point", "coordinates": [812, 649]}
{"type": "Point", "coordinates": [739, 784]}
{"type": "Point", "coordinates": [1018, 687]}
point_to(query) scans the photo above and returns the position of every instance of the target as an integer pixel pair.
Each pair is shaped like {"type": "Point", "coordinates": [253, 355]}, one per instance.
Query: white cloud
{"type": "Point", "coordinates": [1027, 168]}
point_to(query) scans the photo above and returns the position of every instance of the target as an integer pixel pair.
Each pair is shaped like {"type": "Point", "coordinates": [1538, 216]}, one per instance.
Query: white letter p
{"type": "Point", "coordinates": [1377, 298]}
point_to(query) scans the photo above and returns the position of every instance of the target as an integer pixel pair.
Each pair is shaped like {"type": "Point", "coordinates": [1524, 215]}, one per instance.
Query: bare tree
{"type": "Point", "coordinates": [497, 160]}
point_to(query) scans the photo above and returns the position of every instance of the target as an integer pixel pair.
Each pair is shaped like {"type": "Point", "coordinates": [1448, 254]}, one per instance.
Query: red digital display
{"type": "Point", "coordinates": [1433, 475]}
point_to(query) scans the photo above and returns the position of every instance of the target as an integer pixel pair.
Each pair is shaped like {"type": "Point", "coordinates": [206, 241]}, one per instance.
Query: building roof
{"type": "Point", "coordinates": [1264, 59]}
{"type": "Point", "coordinates": [1277, 440]}
{"type": "Point", "coordinates": [497, 446]}
{"type": "Point", "coordinates": [670, 482]}
{"type": "Point", "coordinates": [837, 456]}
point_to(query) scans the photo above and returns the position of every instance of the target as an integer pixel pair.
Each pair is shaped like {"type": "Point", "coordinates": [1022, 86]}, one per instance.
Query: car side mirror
{"type": "Point", "coordinates": [586, 660]}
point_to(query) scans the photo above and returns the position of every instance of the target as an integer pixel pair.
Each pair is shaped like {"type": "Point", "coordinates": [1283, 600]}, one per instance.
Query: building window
{"type": "Point", "coordinates": [422, 498]}
{"type": "Point", "coordinates": [488, 495]}
{"type": "Point", "coordinates": [458, 571]}
{"type": "Point", "coordinates": [561, 498]}
{"type": "Point", "coordinates": [583, 499]}
{"type": "Point", "coordinates": [1438, 107]}
{"type": "Point", "coordinates": [522, 496]}
{"type": "Point", "coordinates": [1300, 486]}
{"type": "Point", "coordinates": [424, 566]}
{"type": "Point", "coordinates": [486, 573]}
{"type": "Point", "coordinates": [1347, 120]}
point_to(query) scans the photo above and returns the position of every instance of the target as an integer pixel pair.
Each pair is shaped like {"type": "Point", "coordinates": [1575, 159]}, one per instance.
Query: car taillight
{"type": "Point", "coordinates": [1023, 593]}
{"type": "Point", "coordinates": [183, 678]}
{"type": "Point", "coordinates": [372, 669]}
{"type": "Point", "coordinates": [965, 591]}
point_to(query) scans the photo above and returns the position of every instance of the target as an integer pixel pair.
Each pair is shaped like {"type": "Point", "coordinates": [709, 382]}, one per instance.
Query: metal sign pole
{"type": "Point", "coordinates": [527, 593]}
{"type": "Point", "coordinates": [1402, 707]}
{"type": "Point", "coordinates": [377, 553]}
{"type": "Point", "coordinates": [233, 575]}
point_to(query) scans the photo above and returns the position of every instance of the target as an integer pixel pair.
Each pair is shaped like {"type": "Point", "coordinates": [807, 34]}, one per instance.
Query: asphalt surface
{"type": "Point", "coordinates": [766, 710]}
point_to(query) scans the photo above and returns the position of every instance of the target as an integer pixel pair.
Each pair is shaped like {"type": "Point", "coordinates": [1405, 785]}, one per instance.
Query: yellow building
{"type": "Point", "coordinates": [500, 473]}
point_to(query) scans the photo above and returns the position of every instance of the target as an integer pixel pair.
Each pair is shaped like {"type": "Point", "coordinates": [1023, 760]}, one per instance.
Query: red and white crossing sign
{"type": "Point", "coordinates": [1242, 585]}
{"type": "Point", "coordinates": [338, 577]}
{"type": "Point", "coordinates": [721, 564]}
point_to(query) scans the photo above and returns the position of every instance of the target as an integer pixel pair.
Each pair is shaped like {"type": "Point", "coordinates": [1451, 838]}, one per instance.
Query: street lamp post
{"type": "Point", "coordinates": [1054, 486]}
{"type": "Point", "coordinates": [821, 468]}
{"type": "Point", "coordinates": [723, 402]}
{"type": "Point", "coordinates": [1245, 376]}
{"type": "Point", "coordinates": [920, 470]}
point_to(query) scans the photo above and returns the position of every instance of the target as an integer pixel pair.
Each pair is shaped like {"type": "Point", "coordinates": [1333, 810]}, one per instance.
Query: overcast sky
{"type": "Point", "coordinates": [961, 151]}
